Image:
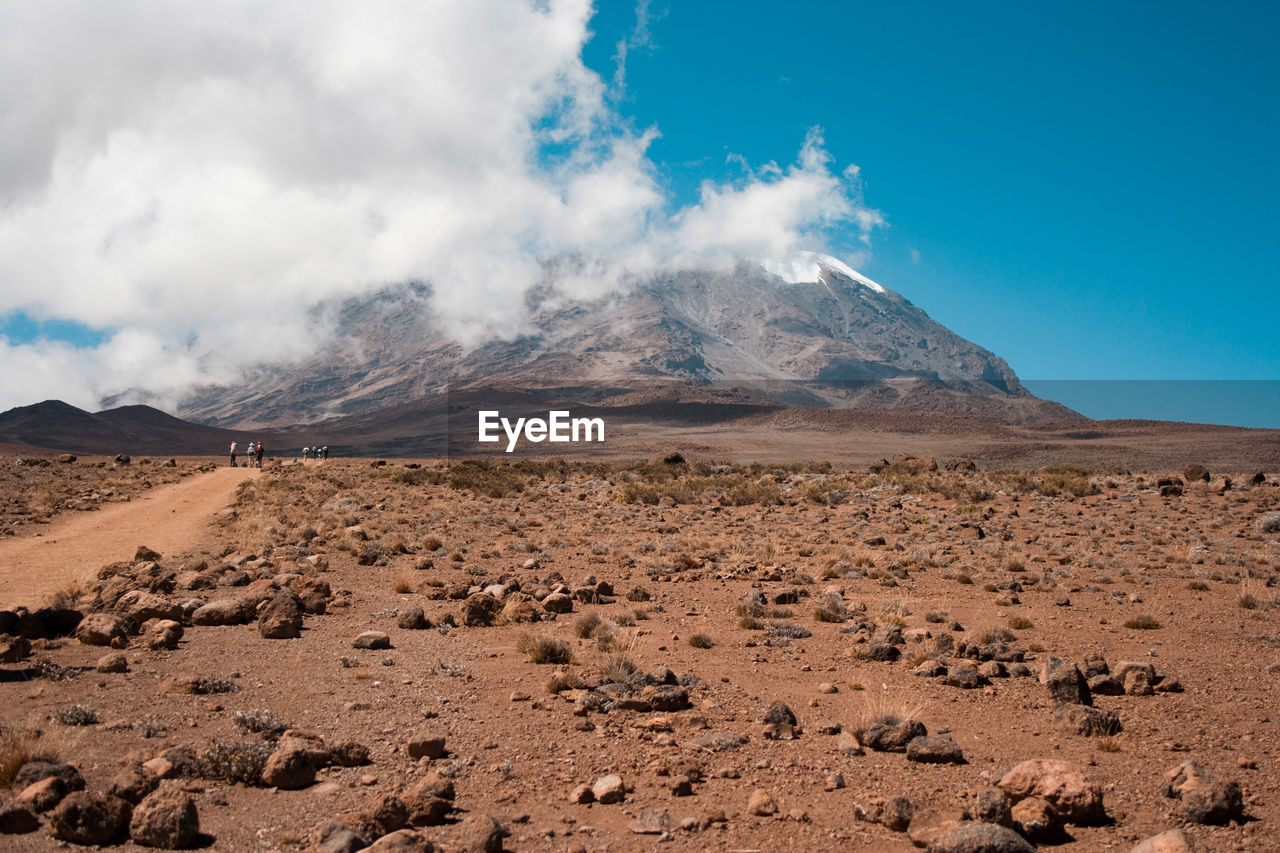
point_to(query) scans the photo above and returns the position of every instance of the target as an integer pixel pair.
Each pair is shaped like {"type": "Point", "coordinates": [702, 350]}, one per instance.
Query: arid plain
{"type": "Point", "coordinates": [674, 654]}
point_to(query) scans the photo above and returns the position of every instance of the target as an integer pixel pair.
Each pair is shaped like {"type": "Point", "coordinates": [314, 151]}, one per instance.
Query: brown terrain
{"type": "Point", "coordinates": [596, 655]}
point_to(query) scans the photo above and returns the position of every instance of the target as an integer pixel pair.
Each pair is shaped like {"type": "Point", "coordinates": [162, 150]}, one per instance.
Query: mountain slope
{"type": "Point", "coordinates": [828, 337]}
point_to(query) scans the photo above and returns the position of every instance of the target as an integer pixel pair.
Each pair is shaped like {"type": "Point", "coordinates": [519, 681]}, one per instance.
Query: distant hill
{"type": "Point", "coordinates": [55, 425]}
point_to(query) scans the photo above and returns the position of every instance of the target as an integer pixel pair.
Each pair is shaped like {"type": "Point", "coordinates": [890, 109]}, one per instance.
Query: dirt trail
{"type": "Point", "coordinates": [167, 519]}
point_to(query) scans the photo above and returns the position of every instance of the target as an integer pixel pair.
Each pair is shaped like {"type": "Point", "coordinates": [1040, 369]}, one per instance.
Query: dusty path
{"type": "Point", "coordinates": [167, 519]}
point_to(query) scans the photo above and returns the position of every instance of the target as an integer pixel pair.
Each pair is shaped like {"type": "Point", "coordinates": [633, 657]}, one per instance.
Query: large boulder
{"type": "Point", "coordinates": [1074, 797]}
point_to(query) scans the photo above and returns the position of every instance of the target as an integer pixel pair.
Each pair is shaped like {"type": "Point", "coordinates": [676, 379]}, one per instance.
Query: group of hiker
{"type": "Point", "coordinates": [253, 454]}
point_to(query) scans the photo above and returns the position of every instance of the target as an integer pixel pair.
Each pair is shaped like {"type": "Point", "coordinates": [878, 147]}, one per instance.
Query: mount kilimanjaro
{"type": "Point", "coordinates": [812, 333]}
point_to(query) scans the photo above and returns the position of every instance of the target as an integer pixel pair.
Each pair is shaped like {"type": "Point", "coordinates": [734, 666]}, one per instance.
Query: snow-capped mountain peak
{"type": "Point", "coordinates": [806, 267]}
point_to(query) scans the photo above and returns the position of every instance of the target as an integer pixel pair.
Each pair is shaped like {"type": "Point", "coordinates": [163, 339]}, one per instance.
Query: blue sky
{"type": "Point", "coordinates": [1088, 189]}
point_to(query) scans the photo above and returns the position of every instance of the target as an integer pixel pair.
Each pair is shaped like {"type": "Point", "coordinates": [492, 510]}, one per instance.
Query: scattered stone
{"type": "Point", "coordinates": [582, 795]}
{"type": "Point", "coordinates": [885, 737]}
{"type": "Point", "coordinates": [557, 602]}
{"type": "Point", "coordinates": [1037, 819]}
{"type": "Point", "coordinates": [402, 841]}
{"type": "Point", "coordinates": [372, 640]}
{"type": "Point", "coordinates": [14, 649]}
{"type": "Point", "coordinates": [334, 836]}
{"type": "Point", "coordinates": [289, 769]}
{"type": "Point", "coordinates": [89, 818]}
{"type": "Point", "coordinates": [479, 610]}
{"type": "Point", "coordinates": [1065, 682]}
{"type": "Point", "coordinates": [1085, 720]}
{"type": "Point", "coordinates": [43, 795]}
{"type": "Point", "coordinates": [964, 678]}
{"type": "Point", "coordinates": [163, 634]}
{"type": "Point", "coordinates": [225, 611]}
{"type": "Point", "coordinates": [132, 784]}
{"type": "Point", "coordinates": [1076, 799]}
{"type": "Point", "coordinates": [140, 606]}
{"type": "Point", "coordinates": [971, 837]}
{"type": "Point", "coordinates": [1170, 841]}
{"type": "Point", "coordinates": [482, 833]}
{"type": "Point", "coordinates": [412, 619]}
{"type": "Point", "coordinates": [16, 819]}
{"type": "Point", "coordinates": [1204, 798]}
{"type": "Point", "coordinates": [847, 744]}
{"type": "Point", "coordinates": [666, 698]}
{"type": "Point", "coordinates": [761, 804]}
{"type": "Point", "coordinates": [990, 805]}
{"type": "Point", "coordinates": [1137, 683]}
{"type": "Point", "coordinates": [609, 789]}
{"type": "Point", "coordinates": [103, 629]}
{"type": "Point", "coordinates": [651, 822]}
{"type": "Point", "coordinates": [34, 771]}
{"type": "Point", "coordinates": [281, 618]}
{"type": "Point", "coordinates": [165, 818]}
{"type": "Point", "coordinates": [430, 748]}
{"type": "Point", "coordinates": [934, 750]}
{"type": "Point", "coordinates": [429, 802]}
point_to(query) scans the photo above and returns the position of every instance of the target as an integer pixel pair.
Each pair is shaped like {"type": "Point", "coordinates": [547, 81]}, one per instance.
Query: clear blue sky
{"type": "Point", "coordinates": [1087, 189]}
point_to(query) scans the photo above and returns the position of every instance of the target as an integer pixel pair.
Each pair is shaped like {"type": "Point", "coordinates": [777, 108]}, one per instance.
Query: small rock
{"type": "Point", "coordinates": [1086, 720]}
{"type": "Point", "coordinates": [165, 818]}
{"type": "Point", "coordinates": [103, 629]}
{"type": "Point", "coordinates": [964, 678]}
{"type": "Point", "coordinates": [113, 662]}
{"type": "Point", "coordinates": [89, 818]}
{"type": "Point", "coordinates": [16, 819]}
{"type": "Point", "coordinates": [1204, 798]}
{"type": "Point", "coordinates": [412, 619]}
{"type": "Point", "coordinates": [651, 822]}
{"type": "Point", "coordinates": [281, 618]}
{"type": "Point", "coordinates": [1065, 681]}
{"type": "Point", "coordinates": [289, 769]}
{"type": "Point", "coordinates": [426, 747]}
{"type": "Point", "coordinates": [582, 795]}
{"type": "Point", "coordinates": [334, 836]}
{"type": "Point", "coordinates": [970, 837]}
{"type": "Point", "coordinates": [1170, 841]}
{"type": "Point", "coordinates": [43, 795]}
{"type": "Point", "coordinates": [372, 640]}
{"type": "Point", "coordinates": [761, 804]}
{"type": "Point", "coordinates": [934, 750]}
{"type": "Point", "coordinates": [402, 841]}
{"type": "Point", "coordinates": [990, 805]}
{"type": "Point", "coordinates": [609, 789]}
{"type": "Point", "coordinates": [1037, 819]}
{"type": "Point", "coordinates": [481, 833]}
{"type": "Point", "coordinates": [883, 737]}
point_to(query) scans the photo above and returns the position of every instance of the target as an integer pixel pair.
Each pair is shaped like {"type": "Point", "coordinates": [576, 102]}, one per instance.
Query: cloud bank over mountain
{"type": "Point", "coordinates": [195, 179]}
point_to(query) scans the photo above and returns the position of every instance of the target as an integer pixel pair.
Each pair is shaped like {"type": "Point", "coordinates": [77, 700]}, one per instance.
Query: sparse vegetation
{"type": "Point", "coordinates": [1145, 622]}
{"type": "Point", "coordinates": [544, 648]}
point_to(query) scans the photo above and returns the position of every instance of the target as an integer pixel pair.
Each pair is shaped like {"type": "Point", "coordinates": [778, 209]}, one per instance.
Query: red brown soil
{"type": "Point", "coordinates": [516, 750]}
{"type": "Point", "coordinates": [169, 519]}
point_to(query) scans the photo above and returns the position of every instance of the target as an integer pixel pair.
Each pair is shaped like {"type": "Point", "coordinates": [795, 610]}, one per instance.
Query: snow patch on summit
{"type": "Point", "coordinates": [806, 268]}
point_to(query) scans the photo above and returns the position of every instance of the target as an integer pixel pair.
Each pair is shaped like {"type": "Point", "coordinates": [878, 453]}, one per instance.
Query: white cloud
{"type": "Point", "coordinates": [198, 176]}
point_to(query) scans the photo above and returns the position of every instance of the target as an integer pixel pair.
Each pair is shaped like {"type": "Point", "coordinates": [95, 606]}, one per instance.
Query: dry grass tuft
{"type": "Point", "coordinates": [701, 641]}
{"type": "Point", "coordinates": [544, 648]}
{"type": "Point", "coordinates": [1145, 622]}
{"type": "Point", "coordinates": [17, 747]}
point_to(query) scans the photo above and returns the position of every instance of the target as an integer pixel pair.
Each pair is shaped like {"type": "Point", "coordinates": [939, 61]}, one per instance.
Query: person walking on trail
{"type": "Point", "coordinates": [259, 454]}
{"type": "Point", "coordinates": [233, 454]}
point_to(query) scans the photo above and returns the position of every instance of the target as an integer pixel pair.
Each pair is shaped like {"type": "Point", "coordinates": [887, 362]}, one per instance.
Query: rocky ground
{"type": "Point", "coordinates": [668, 656]}
{"type": "Point", "coordinates": [35, 488]}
